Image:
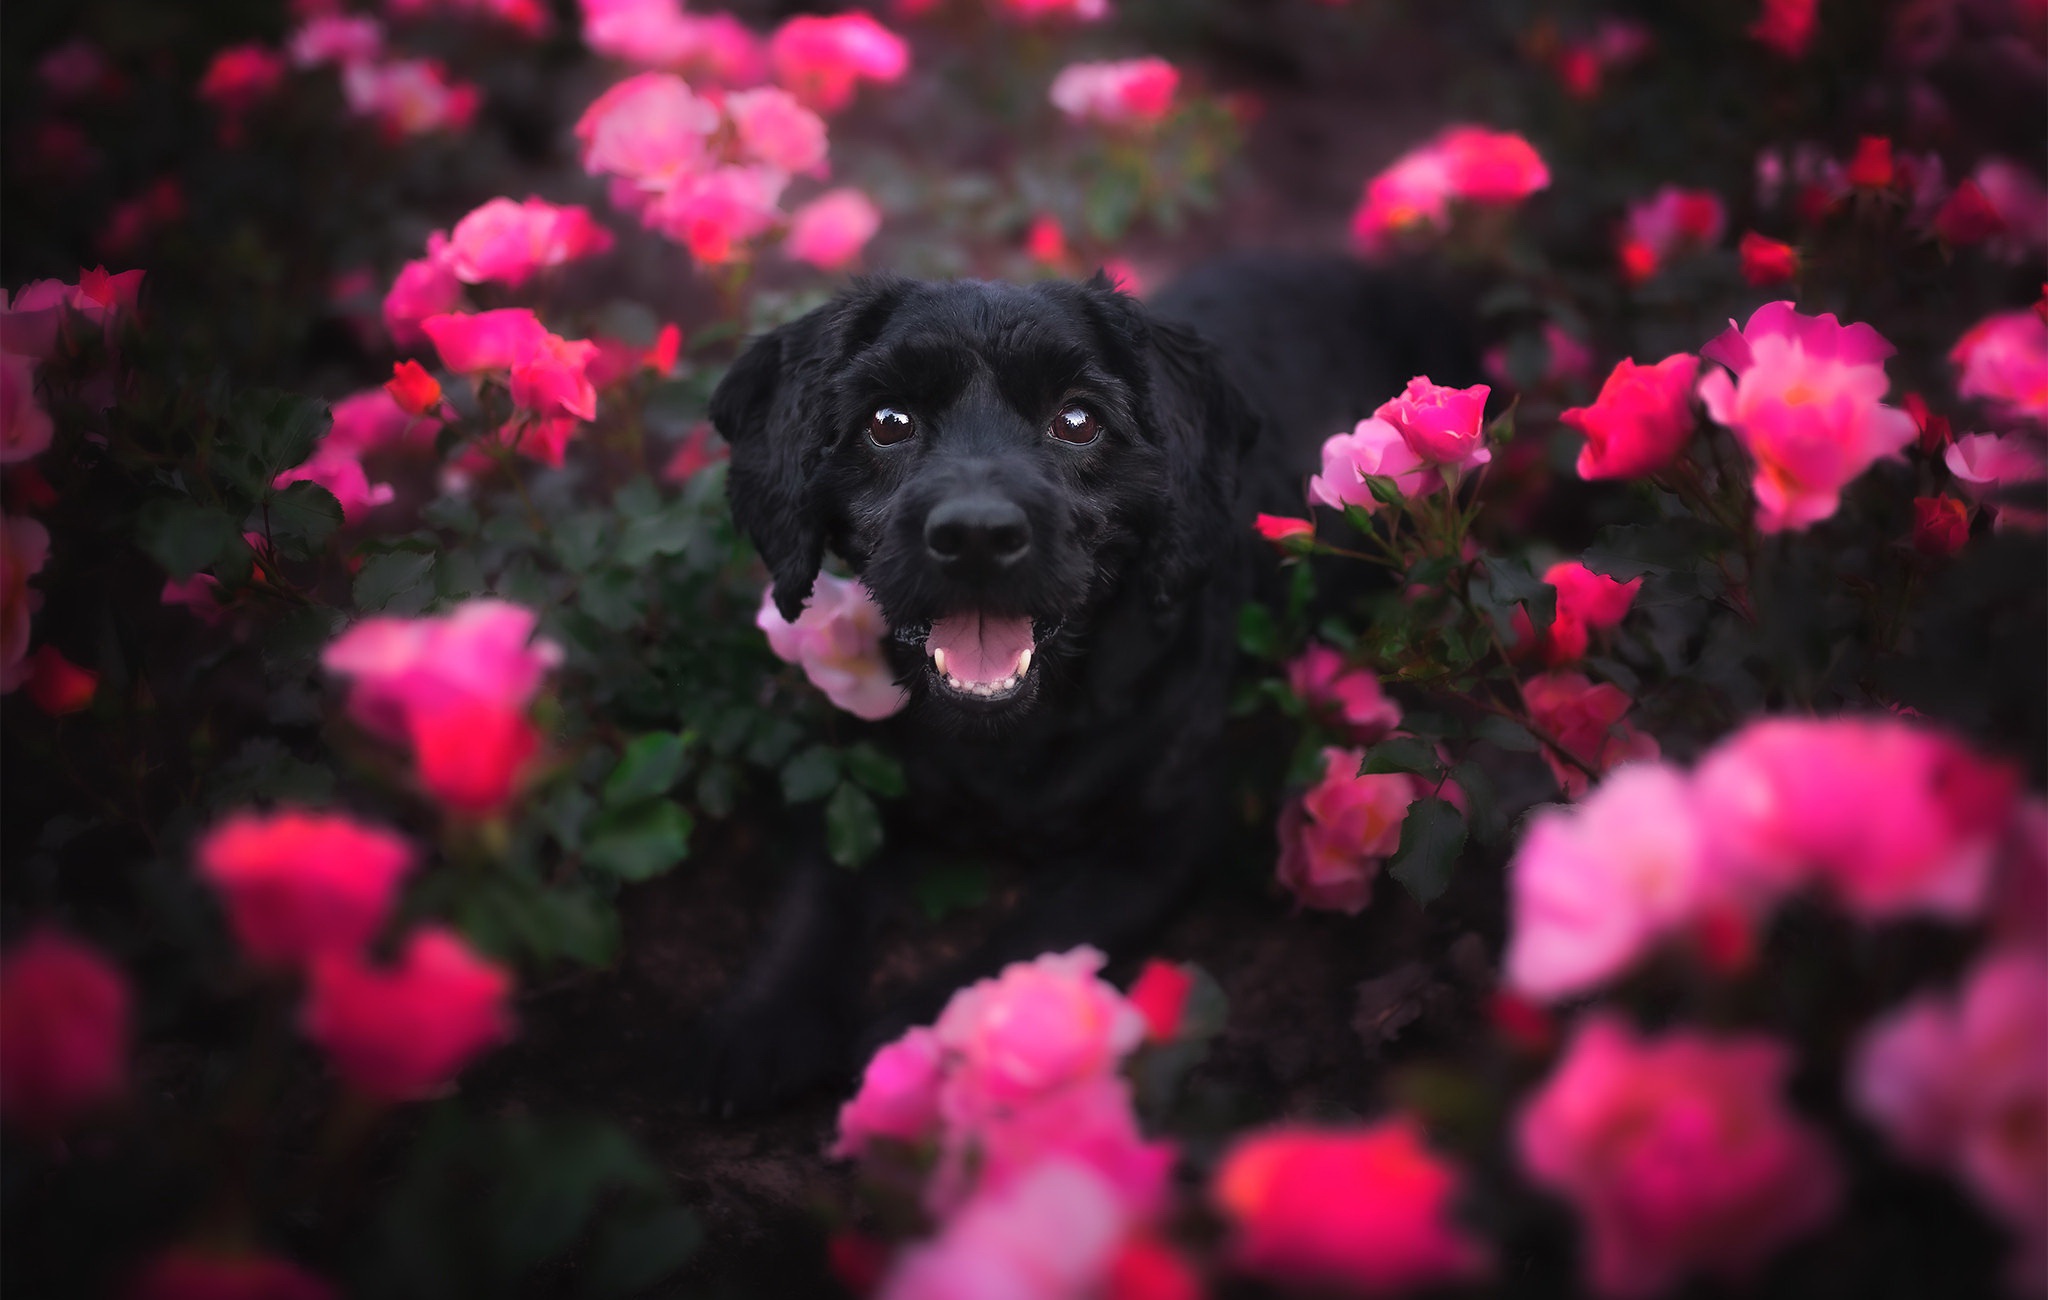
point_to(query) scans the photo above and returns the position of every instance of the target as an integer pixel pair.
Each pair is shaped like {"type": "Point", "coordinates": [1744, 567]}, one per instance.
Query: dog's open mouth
{"type": "Point", "coordinates": [981, 656]}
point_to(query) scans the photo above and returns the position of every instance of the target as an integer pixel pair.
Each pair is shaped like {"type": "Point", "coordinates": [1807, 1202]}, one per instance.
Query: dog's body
{"type": "Point", "coordinates": [1049, 491]}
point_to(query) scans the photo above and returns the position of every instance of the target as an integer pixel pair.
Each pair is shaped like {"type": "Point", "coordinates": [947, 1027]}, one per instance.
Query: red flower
{"type": "Point", "coordinates": [1363, 1208]}
{"type": "Point", "coordinates": [1967, 217]}
{"type": "Point", "coordinates": [405, 1032]}
{"type": "Point", "coordinates": [1045, 241]}
{"type": "Point", "coordinates": [1787, 26]}
{"type": "Point", "coordinates": [415, 391]}
{"type": "Point", "coordinates": [1871, 168]}
{"type": "Point", "coordinates": [1766, 261]}
{"type": "Point", "coordinates": [1160, 994]}
{"type": "Point", "coordinates": [241, 77]}
{"type": "Point", "coordinates": [1640, 420]}
{"type": "Point", "coordinates": [1145, 1268]}
{"type": "Point", "coordinates": [1585, 721]}
{"type": "Point", "coordinates": [298, 884]}
{"type": "Point", "coordinates": [473, 754]}
{"type": "Point", "coordinates": [57, 685]}
{"type": "Point", "coordinates": [1940, 526]}
{"type": "Point", "coordinates": [1284, 531]}
{"type": "Point", "coordinates": [187, 1274]}
{"type": "Point", "coordinates": [64, 1024]}
{"type": "Point", "coordinates": [1524, 1023]}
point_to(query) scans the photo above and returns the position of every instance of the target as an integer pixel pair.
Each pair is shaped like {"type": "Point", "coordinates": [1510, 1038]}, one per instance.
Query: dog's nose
{"type": "Point", "coordinates": [982, 531]}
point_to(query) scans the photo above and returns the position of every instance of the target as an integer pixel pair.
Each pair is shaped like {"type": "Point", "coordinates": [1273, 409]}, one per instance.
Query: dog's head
{"type": "Point", "coordinates": [997, 462]}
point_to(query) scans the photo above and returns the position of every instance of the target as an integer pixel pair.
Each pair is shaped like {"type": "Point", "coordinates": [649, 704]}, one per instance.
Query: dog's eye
{"type": "Point", "coordinates": [889, 426]}
{"type": "Point", "coordinates": [1076, 424]}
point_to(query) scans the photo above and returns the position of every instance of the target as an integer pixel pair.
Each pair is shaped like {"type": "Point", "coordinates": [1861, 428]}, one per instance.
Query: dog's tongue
{"type": "Point", "coordinates": [979, 647]}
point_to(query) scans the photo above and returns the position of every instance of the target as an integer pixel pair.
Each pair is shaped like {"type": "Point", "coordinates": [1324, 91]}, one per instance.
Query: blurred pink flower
{"type": "Point", "coordinates": [298, 884]}
{"type": "Point", "coordinates": [550, 379]}
{"type": "Point", "coordinates": [1805, 403]}
{"type": "Point", "coordinates": [1087, 1119]}
{"type": "Point", "coordinates": [700, 449]}
{"type": "Point", "coordinates": [408, 97]}
{"type": "Point", "coordinates": [56, 685]}
{"type": "Point", "coordinates": [648, 129]}
{"type": "Point", "coordinates": [506, 243]}
{"type": "Point", "coordinates": [199, 593]}
{"type": "Point", "coordinates": [336, 38]}
{"type": "Point", "coordinates": [820, 58]}
{"type": "Point", "coordinates": [898, 1097]}
{"type": "Point", "coordinates": [1592, 888]}
{"type": "Point", "coordinates": [1786, 26]}
{"type": "Point", "coordinates": [1467, 163]}
{"type": "Point", "coordinates": [75, 70]}
{"type": "Point", "coordinates": [2003, 360]}
{"type": "Point", "coordinates": [241, 77]}
{"type": "Point", "coordinates": [25, 428]}
{"type": "Point", "coordinates": [339, 470]}
{"type": "Point", "coordinates": [777, 131]}
{"type": "Point", "coordinates": [830, 230]}
{"type": "Point", "coordinates": [527, 17]}
{"type": "Point", "coordinates": [1442, 425]}
{"type": "Point", "coordinates": [1766, 261]}
{"type": "Point", "coordinates": [1349, 698]}
{"type": "Point", "coordinates": [2021, 202]}
{"type": "Point", "coordinates": [186, 1273]}
{"type": "Point", "coordinates": [424, 287]}
{"type": "Point", "coordinates": [1894, 818]}
{"type": "Point", "coordinates": [544, 439]}
{"type": "Point", "coordinates": [373, 419]}
{"type": "Point", "coordinates": [1640, 421]}
{"type": "Point", "coordinates": [1052, 1234]}
{"type": "Point", "coordinates": [837, 641]}
{"type": "Point", "coordinates": [483, 649]}
{"type": "Point", "coordinates": [404, 1032]}
{"type": "Point", "coordinates": [24, 547]}
{"type": "Point", "coordinates": [1678, 1153]}
{"type": "Point", "coordinates": [44, 313]}
{"type": "Point", "coordinates": [717, 213]}
{"type": "Point", "coordinates": [1363, 1209]}
{"type": "Point", "coordinates": [658, 34]}
{"type": "Point", "coordinates": [473, 343]}
{"type": "Point", "coordinates": [65, 1023]}
{"type": "Point", "coordinates": [1941, 526]}
{"type": "Point", "coordinates": [1084, 11]}
{"type": "Point", "coordinates": [132, 222]}
{"type": "Point", "coordinates": [415, 390]}
{"type": "Point", "coordinates": [1585, 721]}
{"type": "Point", "coordinates": [1130, 92]}
{"type": "Point", "coordinates": [1992, 465]}
{"type": "Point", "coordinates": [1374, 448]}
{"type": "Point", "coordinates": [473, 755]}
{"type": "Point", "coordinates": [1334, 838]}
{"type": "Point", "coordinates": [1669, 222]}
{"type": "Point", "coordinates": [1587, 602]}
{"type": "Point", "coordinates": [1961, 1084]}
{"type": "Point", "coordinates": [1566, 360]}
{"type": "Point", "coordinates": [1160, 994]}
{"type": "Point", "coordinates": [1036, 1027]}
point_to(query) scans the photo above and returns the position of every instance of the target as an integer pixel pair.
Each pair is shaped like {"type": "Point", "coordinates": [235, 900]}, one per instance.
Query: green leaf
{"type": "Point", "coordinates": [1508, 583]}
{"type": "Point", "coordinates": [810, 775]}
{"type": "Point", "coordinates": [616, 598]}
{"type": "Point", "coordinates": [636, 1249]}
{"type": "Point", "coordinates": [640, 842]}
{"type": "Point", "coordinates": [398, 582]}
{"type": "Point", "coordinates": [1506, 733]}
{"type": "Point", "coordinates": [1384, 489]}
{"type": "Point", "coordinates": [1625, 551]}
{"type": "Point", "coordinates": [302, 517]}
{"type": "Point", "coordinates": [1257, 634]}
{"type": "Point", "coordinates": [276, 431]}
{"type": "Point", "coordinates": [585, 928]}
{"type": "Point", "coordinates": [638, 499]}
{"type": "Point", "coordinates": [1432, 836]}
{"type": "Point", "coordinates": [185, 536]}
{"type": "Point", "coordinates": [853, 825]}
{"type": "Point", "coordinates": [1501, 429]}
{"type": "Point", "coordinates": [650, 767]}
{"type": "Point", "coordinates": [875, 770]}
{"type": "Point", "coordinates": [950, 887]}
{"type": "Point", "coordinates": [1402, 754]}
{"type": "Point", "coordinates": [667, 532]}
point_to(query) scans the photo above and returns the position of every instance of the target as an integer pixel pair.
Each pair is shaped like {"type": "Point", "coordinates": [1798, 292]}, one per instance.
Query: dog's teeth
{"type": "Point", "coordinates": [1023, 664]}
{"type": "Point", "coordinates": [939, 658]}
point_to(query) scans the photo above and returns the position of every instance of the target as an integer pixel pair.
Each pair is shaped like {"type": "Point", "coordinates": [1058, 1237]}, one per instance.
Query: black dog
{"type": "Point", "coordinates": [1049, 490]}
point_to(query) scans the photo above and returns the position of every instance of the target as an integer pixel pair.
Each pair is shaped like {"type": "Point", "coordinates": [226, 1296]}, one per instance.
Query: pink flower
{"type": "Point", "coordinates": [551, 379]}
{"type": "Point", "coordinates": [837, 640]}
{"type": "Point", "coordinates": [415, 391]}
{"type": "Point", "coordinates": [1050, 1235]}
{"type": "Point", "coordinates": [373, 419]}
{"type": "Point", "coordinates": [299, 884]}
{"type": "Point", "coordinates": [64, 1030]}
{"type": "Point", "coordinates": [401, 666]}
{"type": "Point", "coordinates": [1941, 525]}
{"type": "Point", "coordinates": [484, 341]}
{"type": "Point", "coordinates": [56, 685]}
{"type": "Point", "coordinates": [473, 755]}
{"type": "Point", "coordinates": [1045, 240]}
{"type": "Point", "coordinates": [658, 34]}
{"type": "Point", "coordinates": [777, 131]}
{"type": "Point", "coordinates": [190, 1274]}
{"type": "Point", "coordinates": [1129, 92]}
{"type": "Point", "coordinates": [1082, 11]}
{"type": "Point", "coordinates": [1467, 163]}
{"type": "Point", "coordinates": [830, 230]}
{"type": "Point", "coordinates": [700, 449]}
{"type": "Point", "coordinates": [402, 1033]}
{"type": "Point", "coordinates": [1961, 1084]}
{"type": "Point", "coordinates": [1373, 449]}
{"type": "Point", "coordinates": [1804, 402]}
{"type": "Point", "coordinates": [2003, 361]}
{"type": "Point", "coordinates": [240, 78]}
{"type": "Point", "coordinates": [1587, 602]}
{"type": "Point", "coordinates": [1349, 697]}
{"type": "Point", "coordinates": [1671, 221]}
{"type": "Point", "coordinates": [336, 38]}
{"type": "Point", "coordinates": [1088, 1120]}
{"type": "Point", "coordinates": [898, 1097]}
{"type": "Point", "coordinates": [133, 221]}
{"type": "Point", "coordinates": [507, 243]}
{"type": "Point", "coordinates": [424, 287]}
{"type": "Point", "coordinates": [75, 70]}
{"type": "Point", "coordinates": [1566, 360]}
{"type": "Point", "coordinates": [821, 58]}
{"type": "Point", "coordinates": [1443, 426]}
{"type": "Point", "coordinates": [1967, 217]}
{"type": "Point", "coordinates": [25, 428]}
{"type": "Point", "coordinates": [1787, 26]}
{"type": "Point", "coordinates": [649, 129]}
{"type": "Point", "coordinates": [2021, 202]}
{"type": "Point", "coordinates": [1160, 994]}
{"type": "Point", "coordinates": [1364, 1209]}
{"type": "Point", "coordinates": [339, 471]}
{"type": "Point", "coordinates": [1896, 820]}
{"type": "Point", "coordinates": [1284, 531]}
{"type": "Point", "coordinates": [1640, 421]}
{"type": "Point", "coordinates": [1036, 1027]}
{"type": "Point", "coordinates": [716, 214]}
{"type": "Point", "coordinates": [1991, 467]}
{"type": "Point", "coordinates": [199, 593]}
{"type": "Point", "coordinates": [1678, 1153]}
{"type": "Point", "coordinates": [24, 547]}
{"type": "Point", "coordinates": [1583, 721]}
{"type": "Point", "coordinates": [1333, 840]}
{"type": "Point", "coordinates": [1592, 888]}
{"type": "Point", "coordinates": [543, 439]}
{"type": "Point", "coordinates": [408, 96]}
{"type": "Point", "coordinates": [1766, 261]}
{"type": "Point", "coordinates": [1123, 276]}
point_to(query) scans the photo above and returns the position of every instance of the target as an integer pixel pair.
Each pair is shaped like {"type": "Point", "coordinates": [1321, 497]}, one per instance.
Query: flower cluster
{"type": "Point", "coordinates": [1670, 222]}
{"type": "Point", "coordinates": [1133, 93]}
{"type": "Point", "coordinates": [1349, 699]}
{"type": "Point", "coordinates": [402, 96]}
{"type": "Point", "coordinates": [1466, 164]}
{"type": "Point", "coordinates": [1334, 838]}
{"type": "Point", "coordinates": [822, 59]}
{"type": "Point", "coordinates": [837, 641]}
{"type": "Point", "coordinates": [65, 1022]}
{"type": "Point", "coordinates": [1587, 602]}
{"type": "Point", "coordinates": [1417, 442]}
{"type": "Point", "coordinates": [715, 48]}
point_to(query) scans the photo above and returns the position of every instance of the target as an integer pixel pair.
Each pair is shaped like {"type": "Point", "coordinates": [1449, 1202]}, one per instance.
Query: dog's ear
{"type": "Point", "coordinates": [766, 408]}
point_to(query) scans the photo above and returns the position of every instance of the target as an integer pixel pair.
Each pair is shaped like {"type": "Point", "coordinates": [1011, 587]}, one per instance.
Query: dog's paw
{"type": "Point", "coordinates": [759, 1051]}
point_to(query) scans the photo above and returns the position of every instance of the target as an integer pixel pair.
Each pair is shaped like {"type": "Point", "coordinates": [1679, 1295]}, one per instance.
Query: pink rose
{"type": "Point", "coordinates": [482, 341]}
{"type": "Point", "coordinates": [25, 428]}
{"type": "Point", "coordinates": [65, 1023]}
{"type": "Point", "coordinates": [821, 58]}
{"type": "Point", "coordinates": [339, 471]}
{"type": "Point", "coordinates": [1592, 888]}
{"type": "Point", "coordinates": [898, 1097]}
{"type": "Point", "coordinates": [1034, 1028]}
{"type": "Point", "coordinates": [2021, 203]}
{"type": "Point", "coordinates": [2003, 360]}
{"type": "Point", "coordinates": [1051, 1234]}
{"type": "Point", "coordinates": [1467, 163]}
{"type": "Point", "coordinates": [1584, 721]}
{"type": "Point", "coordinates": [1640, 421]}
{"type": "Point", "coordinates": [1991, 466]}
{"type": "Point", "coordinates": [1374, 448]}
{"type": "Point", "coordinates": [473, 755]}
{"type": "Point", "coordinates": [717, 47]}
{"type": "Point", "coordinates": [1130, 92]}
{"type": "Point", "coordinates": [1804, 402]}
{"type": "Point", "coordinates": [298, 884]}
{"type": "Point", "coordinates": [1786, 26]}
{"type": "Point", "coordinates": [1766, 261]}
{"type": "Point", "coordinates": [1443, 426]}
{"type": "Point", "coordinates": [373, 419]}
{"type": "Point", "coordinates": [398, 666]}
{"type": "Point", "coordinates": [1678, 1153]}
{"type": "Point", "coordinates": [830, 230]}
{"type": "Point", "coordinates": [649, 129]}
{"type": "Point", "coordinates": [1587, 602]}
{"type": "Point", "coordinates": [718, 213]}
{"type": "Point", "coordinates": [552, 378]}
{"type": "Point", "coordinates": [1334, 838]}
{"type": "Point", "coordinates": [1160, 993]}
{"type": "Point", "coordinates": [404, 1032]}
{"type": "Point", "coordinates": [241, 77]}
{"type": "Point", "coordinates": [1941, 526]}
{"type": "Point", "coordinates": [777, 131]}
{"type": "Point", "coordinates": [407, 97]}
{"type": "Point", "coordinates": [56, 685]}
{"type": "Point", "coordinates": [506, 243]}
{"type": "Point", "coordinates": [424, 287]}
{"type": "Point", "coordinates": [837, 640]}
{"type": "Point", "coordinates": [336, 38]}
{"type": "Point", "coordinates": [1669, 222]}
{"type": "Point", "coordinates": [1087, 1120]}
{"type": "Point", "coordinates": [1349, 697]}
{"type": "Point", "coordinates": [1364, 1209]}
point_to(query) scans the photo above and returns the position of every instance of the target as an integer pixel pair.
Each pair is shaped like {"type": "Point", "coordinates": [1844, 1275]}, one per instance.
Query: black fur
{"type": "Point", "coordinates": [1101, 770]}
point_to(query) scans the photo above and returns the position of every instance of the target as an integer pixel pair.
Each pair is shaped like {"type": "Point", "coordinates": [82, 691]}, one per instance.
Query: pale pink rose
{"type": "Point", "coordinates": [424, 287]}
{"type": "Point", "coordinates": [1467, 163]}
{"type": "Point", "coordinates": [1050, 1235]}
{"type": "Point", "coordinates": [1805, 403]}
{"type": "Point", "coordinates": [1894, 819]}
{"type": "Point", "coordinates": [821, 58]}
{"type": "Point", "coordinates": [409, 97]}
{"type": "Point", "coordinates": [1033, 1029]}
{"type": "Point", "coordinates": [336, 38]}
{"type": "Point", "coordinates": [506, 243]}
{"type": "Point", "coordinates": [1349, 697]}
{"type": "Point", "coordinates": [1333, 840]}
{"type": "Point", "coordinates": [1444, 426]}
{"type": "Point", "coordinates": [1961, 1084]}
{"type": "Point", "coordinates": [1373, 448]}
{"type": "Point", "coordinates": [837, 640]}
{"type": "Point", "coordinates": [372, 419]}
{"type": "Point", "coordinates": [830, 230]}
{"type": "Point", "coordinates": [552, 379]}
{"type": "Point", "coordinates": [1088, 1120]}
{"type": "Point", "coordinates": [717, 48]}
{"type": "Point", "coordinates": [1583, 720]}
{"type": "Point", "coordinates": [1640, 421]}
{"type": "Point", "coordinates": [777, 131]}
{"type": "Point", "coordinates": [898, 1097]}
{"type": "Point", "coordinates": [477, 342]}
{"type": "Point", "coordinates": [649, 130]}
{"type": "Point", "coordinates": [339, 471]}
{"type": "Point", "coordinates": [1678, 1153]}
{"type": "Point", "coordinates": [24, 548]}
{"type": "Point", "coordinates": [715, 215]}
{"type": "Point", "coordinates": [1593, 888]}
{"type": "Point", "coordinates": [25, 428]}
{"type": "Point", "coordinates": [1990, 466]}
{"type": "Point", "coordinates": [483, 649]}
{"type": "Point", "coordinates": [2003, 361]}
{"type": "Point", "coordinates": [1129, 92]}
